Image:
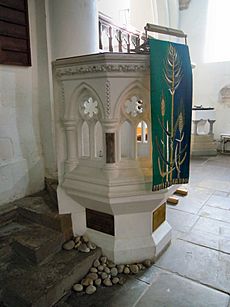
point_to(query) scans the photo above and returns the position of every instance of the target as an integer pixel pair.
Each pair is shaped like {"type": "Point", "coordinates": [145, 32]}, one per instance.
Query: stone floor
{"type": "Point", "coordinates": [195, 269]}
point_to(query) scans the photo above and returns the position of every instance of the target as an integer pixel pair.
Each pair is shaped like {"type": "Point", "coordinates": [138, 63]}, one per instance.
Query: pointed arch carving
{"type": "Point", "coordinates": [82, 91]}
{"type": "Point", "coordinates": [137, 89]}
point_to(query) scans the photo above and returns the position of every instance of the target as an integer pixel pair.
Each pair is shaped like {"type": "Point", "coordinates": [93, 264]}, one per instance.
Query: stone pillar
{"type": "Point", "coordinates": [73, 27]}
{"type": "Point", "coordinates": [71, 146]}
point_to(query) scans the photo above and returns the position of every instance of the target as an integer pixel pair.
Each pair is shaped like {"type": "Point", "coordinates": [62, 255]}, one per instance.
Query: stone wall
{"type": "Point", "coordinates": [25, 117]}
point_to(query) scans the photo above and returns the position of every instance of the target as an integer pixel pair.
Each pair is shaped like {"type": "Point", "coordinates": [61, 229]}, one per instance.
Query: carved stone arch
{"type": "Point", "coordinates": [136, 88]}
{"type": "Point", "coordinates": [79, 93]}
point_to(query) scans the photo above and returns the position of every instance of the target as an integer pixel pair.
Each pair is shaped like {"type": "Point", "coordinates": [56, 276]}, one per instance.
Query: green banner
{"type": "Point", "coordinates": [171, 109]}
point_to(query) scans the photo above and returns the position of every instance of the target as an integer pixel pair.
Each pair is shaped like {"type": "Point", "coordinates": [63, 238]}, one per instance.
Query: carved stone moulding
{"type": "Point", "coordinates": [184, 4]}
{"type": "Point", "coordinates": [225, 93]}
{"type": "Point", "coordinates": [68, 71]}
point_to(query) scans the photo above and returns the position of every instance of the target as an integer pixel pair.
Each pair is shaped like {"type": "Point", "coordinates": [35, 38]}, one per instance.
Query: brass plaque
{"type": "Point", "coordinates": [159, 216]}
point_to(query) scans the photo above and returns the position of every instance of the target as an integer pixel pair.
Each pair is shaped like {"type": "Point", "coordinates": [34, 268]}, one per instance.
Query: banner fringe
{"type": "Point", "coordinates": [164, 185]}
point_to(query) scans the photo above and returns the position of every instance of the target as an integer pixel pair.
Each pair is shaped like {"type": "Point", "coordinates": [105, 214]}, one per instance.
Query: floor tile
{"type": "Point", "coordinates": [181, 221]}
{"type": "Point", "coordinates": [116, 296]}
{"type": "Point", "coordinates": [218, 201]}
{"type": "Point", "coordinates": [220, 193]}
{"type": "Point", "coordinates": [177, 234]}
{"type": "Point", "coordinates": [215, 213]}
{"type": "Point", "coordinates": [202, 264]}
{"type": "Point", "coordinates": [210, 233]}
{"type": "Point", "coordinates": [195, 199]}
{"type": "Point", "coordinates": [220, 185]}
{"type": "Point", "coordinates": [203, 239]}
{"type": "Point", "coordinates": [211, 226]}
{"type": "Point", "coordinates": [170, 290]}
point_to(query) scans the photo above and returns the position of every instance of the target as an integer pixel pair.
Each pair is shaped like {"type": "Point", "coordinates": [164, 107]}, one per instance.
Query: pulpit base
{"type": "Point", "coordinates": [130, 248]}
{"type": "Point", "coordinates": [139, 233]}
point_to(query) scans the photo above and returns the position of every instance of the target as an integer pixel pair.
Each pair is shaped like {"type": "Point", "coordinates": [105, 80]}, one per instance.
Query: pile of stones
{"type": "Point", "coordinates": [80, 243]}
{"type": "Point", "coordinates": [103, 272]}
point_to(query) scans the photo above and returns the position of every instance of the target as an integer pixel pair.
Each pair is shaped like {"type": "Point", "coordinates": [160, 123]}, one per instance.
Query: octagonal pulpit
{"type": "Point", "coordinates": [103, 132]}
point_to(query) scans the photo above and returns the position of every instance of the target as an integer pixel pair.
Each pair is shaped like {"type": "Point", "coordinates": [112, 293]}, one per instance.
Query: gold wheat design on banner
{"type": "Point", "coordinates": [171, 158]}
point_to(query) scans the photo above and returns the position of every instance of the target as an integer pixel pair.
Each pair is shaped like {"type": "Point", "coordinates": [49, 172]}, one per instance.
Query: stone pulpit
{"type": "Point", "coordinates": [103, 132]}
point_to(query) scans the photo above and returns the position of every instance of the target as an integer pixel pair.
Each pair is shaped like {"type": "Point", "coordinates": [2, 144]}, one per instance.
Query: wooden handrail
{"type": "Point", "coordinates": [115, 38]}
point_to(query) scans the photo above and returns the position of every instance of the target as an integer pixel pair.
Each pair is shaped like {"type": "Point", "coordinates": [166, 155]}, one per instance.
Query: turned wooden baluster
{"type": "Point", "coordinates": [119, 41]}
{"type": "Point", "coordinates": [128, 43]}
{"type": "Point", "coordinates": [100, 36]}
{"type": "Point", "coordinates": [110, 39]}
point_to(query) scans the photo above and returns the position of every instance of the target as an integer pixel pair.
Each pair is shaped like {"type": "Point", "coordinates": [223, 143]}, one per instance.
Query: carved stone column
{"type": "Point", "coordinates": [71, 146]}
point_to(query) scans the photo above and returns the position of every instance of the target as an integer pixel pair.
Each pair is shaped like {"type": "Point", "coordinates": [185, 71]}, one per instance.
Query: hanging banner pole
{"type": "Point", "coordinates": [164, 30]}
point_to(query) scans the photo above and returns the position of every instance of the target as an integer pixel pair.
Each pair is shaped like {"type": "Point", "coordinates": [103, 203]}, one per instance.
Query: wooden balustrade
{"type": "Point", "coordinates": [114, 38]}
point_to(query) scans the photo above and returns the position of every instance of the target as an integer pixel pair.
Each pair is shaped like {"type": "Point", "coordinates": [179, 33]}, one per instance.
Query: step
{"type": "Point", "coordinates": [7, 232]}
{"type": "Point", "coordinates": [44, 285]}
{"type": "Point", "coordinates": [8, 213]}
{"type": "Point", "coordinates": [35, 209]}
{"type": "Point", "coordinates": [35, 243]}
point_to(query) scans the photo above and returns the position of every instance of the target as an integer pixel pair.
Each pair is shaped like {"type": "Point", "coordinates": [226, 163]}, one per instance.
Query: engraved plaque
{"type": "Point", "coordinates": [100, 221]}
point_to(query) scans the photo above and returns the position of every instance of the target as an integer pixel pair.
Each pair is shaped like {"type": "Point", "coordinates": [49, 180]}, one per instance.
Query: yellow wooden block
{"type": "Point", "coordinates": [182, 191]}
{"type": "Point", "coordinates": [173, 200]}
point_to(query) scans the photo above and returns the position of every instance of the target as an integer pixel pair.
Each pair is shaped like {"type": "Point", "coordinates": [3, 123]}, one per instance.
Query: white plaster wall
{"type": "Point", "coordinates": [209, 78]}
{"type": "Point", "coordinates": [115, 9]}
{"type": "Point", "coordinates": [161, 12]}
{"type": "Point", "coordinates": [141, 12]}
{"type": "Point", "coordinates": [25, 117]}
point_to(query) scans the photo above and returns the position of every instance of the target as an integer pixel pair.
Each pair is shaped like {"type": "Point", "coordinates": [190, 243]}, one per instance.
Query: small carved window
{"type": "Point", "coordinates": [134, 106]}
{"type": "Point", "coordinates": [142, 132]}
{"type": "Point", "coordinates": [90, 107]}
{"type": "Point", "coordinates": [142, 138]}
